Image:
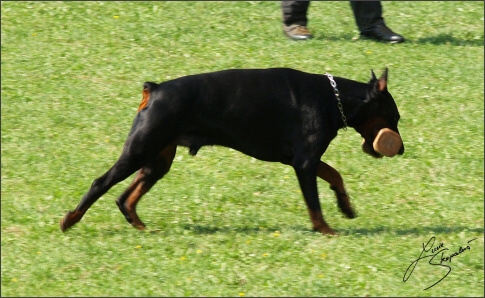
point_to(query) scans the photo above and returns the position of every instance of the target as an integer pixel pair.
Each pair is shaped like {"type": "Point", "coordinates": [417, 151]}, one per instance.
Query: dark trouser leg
{"type": "Point", "coordinates": [295, 12]}
{"type": "Point", "coordinates": [368, 14]}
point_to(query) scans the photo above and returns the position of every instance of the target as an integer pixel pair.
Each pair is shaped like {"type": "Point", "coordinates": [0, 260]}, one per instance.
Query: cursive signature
{"type": "Point", "coordinates": [434, 252]}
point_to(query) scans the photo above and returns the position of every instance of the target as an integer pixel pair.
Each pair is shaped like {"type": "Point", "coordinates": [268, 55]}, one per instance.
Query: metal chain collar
{"type": "Point", "coordinates": [337, 95]}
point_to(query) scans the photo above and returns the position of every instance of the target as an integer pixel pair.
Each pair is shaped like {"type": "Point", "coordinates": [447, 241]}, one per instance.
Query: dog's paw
{"type": "Point", "coordinates": [326, 231]}
{"type": "Point", "coordinates": [70, 219]}
{"type": "Point", "coordinates": [343, 202]}
{"type": "Point", "coordinates": [140, 226]}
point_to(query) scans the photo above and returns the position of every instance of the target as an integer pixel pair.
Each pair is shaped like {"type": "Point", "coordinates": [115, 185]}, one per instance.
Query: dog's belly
{"type": "Point", "coordinates": [267, 149]}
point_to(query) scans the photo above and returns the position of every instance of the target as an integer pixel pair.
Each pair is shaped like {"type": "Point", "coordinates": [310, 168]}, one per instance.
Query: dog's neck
{"type": "Point", "coordinates": [353, 105]}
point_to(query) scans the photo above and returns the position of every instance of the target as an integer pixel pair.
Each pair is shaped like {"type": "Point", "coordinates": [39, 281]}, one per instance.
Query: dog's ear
{"type": "Point", "coordinates": [373, 76]}
{"type": "Point", "coordinates": [382, 83]}
{"type": "Point", "coordinates": [378, 85]}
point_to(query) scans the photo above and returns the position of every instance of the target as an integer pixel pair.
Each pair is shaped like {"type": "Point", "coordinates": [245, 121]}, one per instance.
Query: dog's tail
{"type": "Point", "coordinates": [147, 88]}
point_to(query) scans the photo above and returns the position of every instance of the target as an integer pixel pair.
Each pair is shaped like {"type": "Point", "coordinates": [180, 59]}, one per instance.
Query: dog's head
{"type": "Point", "coordinates": [379, 130]}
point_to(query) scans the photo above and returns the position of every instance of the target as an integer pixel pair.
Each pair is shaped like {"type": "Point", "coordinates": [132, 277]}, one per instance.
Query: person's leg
{"type": "Point", "coordinates": [368, 16]}
{"type": "Point", "coordinates": [295, 19]}
{"type": "Point", "coordinates": [294, 12]}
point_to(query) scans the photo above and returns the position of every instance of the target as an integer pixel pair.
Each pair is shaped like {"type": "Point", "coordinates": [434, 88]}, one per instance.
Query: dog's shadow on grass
{"type": "Point", "coordinates": [206, 230]}
{"type": "Point", "coordinates": [449, 39]}
{"type": "Point", "coordinates": [209, 229]}
{"type": "Point", "coordinates": [440, 39]}
{"type": "Point", "coordinates": [409, 231]}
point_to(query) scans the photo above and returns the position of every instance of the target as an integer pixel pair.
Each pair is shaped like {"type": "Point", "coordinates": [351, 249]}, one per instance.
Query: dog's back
{"type": "Point", "coordinates": [260, 112]}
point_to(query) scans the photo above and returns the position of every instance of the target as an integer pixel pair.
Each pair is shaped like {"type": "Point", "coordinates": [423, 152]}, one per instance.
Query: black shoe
{"type": "Point", "coordinates": [297, 32]}
{"type": "Point", "coordinates": [382, 33]}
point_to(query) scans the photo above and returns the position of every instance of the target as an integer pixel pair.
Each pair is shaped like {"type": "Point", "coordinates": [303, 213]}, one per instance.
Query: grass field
{"type": "Point", "coordinates": [222, 223]}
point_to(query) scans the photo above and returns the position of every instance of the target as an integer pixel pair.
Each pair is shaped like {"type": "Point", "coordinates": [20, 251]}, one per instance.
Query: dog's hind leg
{"type": "Point", "coordinates": [120, 171]}
{"type": "Point", "coordinates": [334, 178]}
{"type": "Point", "coordinates": [144, 180]}
{"type": "Point", "coordinates": [138, 150]}
{"type": "Point", "coordinates": [305, 171]}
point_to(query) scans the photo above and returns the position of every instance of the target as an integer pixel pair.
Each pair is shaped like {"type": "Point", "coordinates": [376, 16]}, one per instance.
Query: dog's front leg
{"type": "Point", "coordinates": [334, 178]}
{"type": "Point", "coordinates": [308, 184]}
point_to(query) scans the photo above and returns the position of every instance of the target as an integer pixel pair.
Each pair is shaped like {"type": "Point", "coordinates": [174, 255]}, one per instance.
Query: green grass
{"type": "Point", "coordinates": [222, 223]}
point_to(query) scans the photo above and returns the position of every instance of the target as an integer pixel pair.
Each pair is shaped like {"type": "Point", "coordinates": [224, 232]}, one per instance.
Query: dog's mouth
{"type": "Point", "coordinates": [385, 142]}
{"type": "Point", "coordinates": [369, 150]}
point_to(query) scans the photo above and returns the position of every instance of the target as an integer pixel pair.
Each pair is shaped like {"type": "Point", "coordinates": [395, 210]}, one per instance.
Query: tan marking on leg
{"type": "Point", "coordinates": [330, 175]}
{"type": "Point", "coordinates": [70, 219]}
{"type": "Point", "coordinates": [130, 204]}
{"type": "Point", "coordinates": [143, 183]}
{"type": "Point", "coordinates": [319, 223]}
{"type": "Point", "coordinates": [334, 178]}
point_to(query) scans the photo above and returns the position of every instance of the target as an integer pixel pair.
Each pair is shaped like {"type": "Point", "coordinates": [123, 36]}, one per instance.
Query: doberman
{"type": "Point", "coordinates": [277, 115]}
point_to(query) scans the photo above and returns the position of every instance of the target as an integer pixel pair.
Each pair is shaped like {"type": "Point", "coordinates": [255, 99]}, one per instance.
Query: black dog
{"type": "Point", "coordinates": [279, 115]}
